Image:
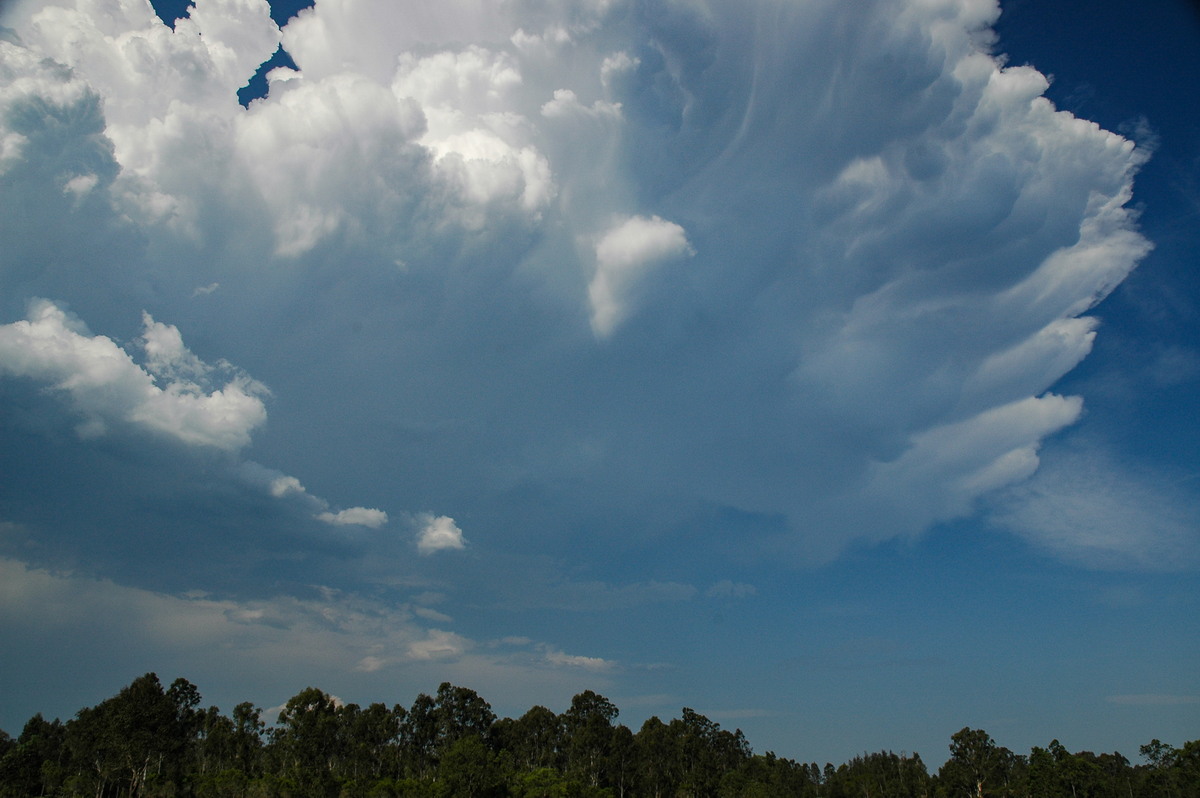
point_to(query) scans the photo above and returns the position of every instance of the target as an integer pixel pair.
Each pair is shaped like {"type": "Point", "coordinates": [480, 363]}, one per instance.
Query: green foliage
{"type": "Point", "coordinates": [135, 739]}
{"type": "Point", "coordinates": [150, 742]}
{"type": "Point", "coordinates": [768, 776]}
{"type": "Point", "coordinates": [534, 740]}
{"type": "Point", "coordinates": [550, 783]}
{"type": "Point", "coordinates": [588, 739]}
{"type": "Point", "coordinates": [469, 767]}
{"type": "Point", "coordinates": [34, 763]}
{"type": "Point", "coordinates": [880, 774]}
{"type": "Point", "coordinates": [979, 768]}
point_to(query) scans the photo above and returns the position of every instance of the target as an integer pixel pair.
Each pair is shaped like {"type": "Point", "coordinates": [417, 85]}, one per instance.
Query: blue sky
{"type": "Point", "coordinates": [828, 369]}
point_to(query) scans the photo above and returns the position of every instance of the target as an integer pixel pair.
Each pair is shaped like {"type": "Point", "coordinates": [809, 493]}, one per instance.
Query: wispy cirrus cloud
{"type": "Point", "coordinates": [1085, 506]}
{"type": "Point", "coordinates": [1153, 700]}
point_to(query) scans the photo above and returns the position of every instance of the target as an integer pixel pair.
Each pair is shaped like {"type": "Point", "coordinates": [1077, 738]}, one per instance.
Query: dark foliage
{"type": "Point", "coordinates": [159, 743]}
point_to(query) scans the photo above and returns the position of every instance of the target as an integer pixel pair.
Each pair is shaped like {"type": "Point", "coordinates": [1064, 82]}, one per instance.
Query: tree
{"type": "Point", "coordinates": [533, 740]}
{"type": "Point", "coordinates": [419, 734]}
{"type": "Point", "coordinates": [1187, 765]}
{"type": "Point", "coordinates": [588, 736]}
{"type": "Point", "coordinates": [34, 763]}
{"type": "Point", "coordinates": [622, 761]}
{"type": "Point", "coordinates": [705, 752]}
{"type": "Point", "coordinates": [880, 774]}
{"type": "Point", "coordinates": [469, 768]}
{"type": "Point", "coordinates": [248, 729]}
{"type": "Point", "coordinates": [370, 740]}
{"type": "Point", "coordinates": [307, 740]}
{"type": "Point", "coordinates": [769, 776]}
{"type": "Point", "coordinates": [657, 759]}
{"type": "Point", "coordinates": [1162, 776]}
{"type": "Point", "coordinates": [460, 712]}
{"type": "Point", "coordinates": [977, 762]}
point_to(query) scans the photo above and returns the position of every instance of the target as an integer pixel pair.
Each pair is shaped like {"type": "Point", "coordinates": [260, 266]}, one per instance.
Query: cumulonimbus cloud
{"type": "Point", "coordinates": [781, 258]}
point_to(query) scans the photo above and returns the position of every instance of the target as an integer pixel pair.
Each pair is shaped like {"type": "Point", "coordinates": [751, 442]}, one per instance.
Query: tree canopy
{"type": "Point", "coordinates": [153, 742]}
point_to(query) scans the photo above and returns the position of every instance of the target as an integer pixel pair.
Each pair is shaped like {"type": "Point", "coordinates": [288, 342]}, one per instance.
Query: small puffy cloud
{"type": "Point", "coordinates": [439, 533]}
{"type": "Point", "coordinates": [437, 644]}
{"type": "Point", "coordinates": [370, 664]}
{"type": "Point", "coordinates": [169, 395]}
{"type": "Point", "coordinates": [566, 104]}
{"type": "Point", "coordinates": [80, 185]}
{"type": "Point", "coordinates": [355, 516]}
{"type": "Point", "coordinates": [284, 486]}
{"type": "Point", "coordinates": [559, 659]}
{"type": "Point", "coordinates": [624, 255]}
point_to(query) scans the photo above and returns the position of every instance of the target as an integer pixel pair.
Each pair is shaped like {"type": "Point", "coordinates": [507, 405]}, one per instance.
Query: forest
{"type": "Point", "coordinates": [156, 741]}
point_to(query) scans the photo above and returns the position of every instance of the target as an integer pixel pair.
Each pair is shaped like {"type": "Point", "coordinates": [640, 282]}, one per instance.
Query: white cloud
{"type": "Point", "coordinates": [624, 254]}
{"type": "Point", "coordinates": [80, 185]}
{"type": "Point", "coordinates": [558, 658]}
{"type": "Point", "coordinates": [173, 393]}
{"type": "Point", "coordinates": [168, 396]}
{"type": "Point", "coordinates": [207, 57]}
{"type": "Point", "coordinates": [329, 156]}
{"type": "Point", "coordinates": [892, 241]}
{"type": "Point", "coordinates": [1087, 508]}
{"type": "Point", "coordinates": [945, 468]}
{"type": "Point", "coordinates": [370, 664]}
{"type": "Point", "coordinates": [355, 516]}
{"type": "Point", "coordinates": [331, 634]}
{"type": "Point", "coordinates": [432, 615]}
{"type": "Point", "coordinates": [438, 644]}
{"type": "Point", "coordinates": [478, 144]}
{"type": "Point", "coordinates": [334, 640]}
{"type": "Point", "coordinates": [284, 485]}
{"type": "Point", "coordinates": [439, 533]}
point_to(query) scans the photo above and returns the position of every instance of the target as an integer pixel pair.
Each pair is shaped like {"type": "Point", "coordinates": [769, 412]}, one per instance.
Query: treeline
{"type": "Point", "coordinates": [156, 742]}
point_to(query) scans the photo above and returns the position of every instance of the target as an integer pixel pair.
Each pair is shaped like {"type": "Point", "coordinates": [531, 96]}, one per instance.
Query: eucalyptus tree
{"type": "Point", "coordinates": [142, 734]}
{"type": "Point", "coordinates": [657, 759]}
{"type": "Point", "coordinates": [977, 764]}
{"type": "Point", "coordinates": [34, 763]}
{"type": "Point", "coordinates": [532, 741]}
{"type": "Point", "coordinates": [306, 743]}
{"type": "Point", "coordinates": [588, 736]}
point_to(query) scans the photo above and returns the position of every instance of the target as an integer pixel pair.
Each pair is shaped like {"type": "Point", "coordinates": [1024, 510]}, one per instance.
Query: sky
{"type": "Point", "coordinates": [830, 369]}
